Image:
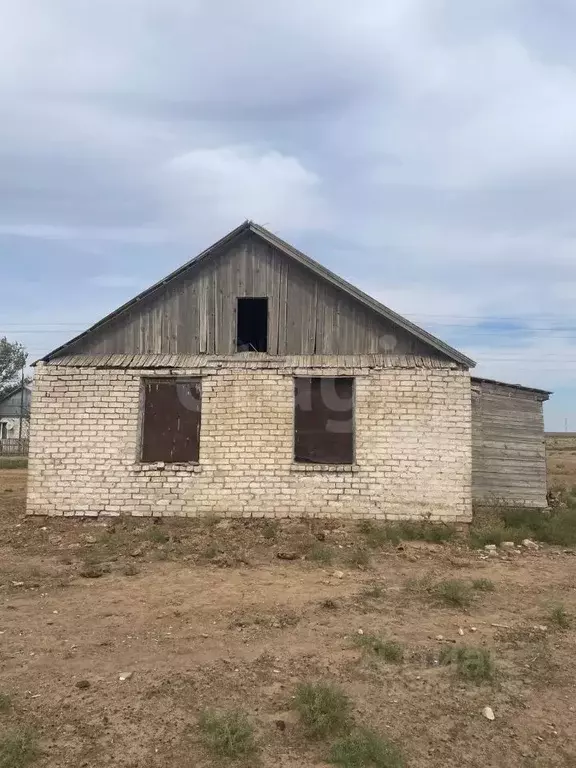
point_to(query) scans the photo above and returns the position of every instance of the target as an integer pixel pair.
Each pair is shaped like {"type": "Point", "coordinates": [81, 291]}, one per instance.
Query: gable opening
{"type": "Point", "coordinates": [252, 325]}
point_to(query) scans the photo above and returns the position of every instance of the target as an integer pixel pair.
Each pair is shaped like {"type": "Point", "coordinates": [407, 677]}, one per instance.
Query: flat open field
{"type": "Point", "coordinates": [207, 616]}
{"type": "Point", "coordinates": [561, 460]}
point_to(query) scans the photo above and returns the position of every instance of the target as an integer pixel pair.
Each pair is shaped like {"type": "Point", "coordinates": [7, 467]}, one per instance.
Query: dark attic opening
{"type": "Point", "coordinates": [252, 325]}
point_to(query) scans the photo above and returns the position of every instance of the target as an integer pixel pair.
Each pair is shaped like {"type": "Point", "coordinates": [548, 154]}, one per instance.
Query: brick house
{"type": "Point", "coordinates": [253, 382]}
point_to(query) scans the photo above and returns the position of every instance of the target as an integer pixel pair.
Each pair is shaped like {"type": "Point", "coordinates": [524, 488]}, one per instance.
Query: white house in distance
{"type": "Point", "coordinates": [15, 414]}
{"type": "Point", "coordinates": [253, 382]}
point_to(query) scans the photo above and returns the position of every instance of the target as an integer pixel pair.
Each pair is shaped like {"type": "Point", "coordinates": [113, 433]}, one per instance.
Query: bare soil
{"type": "Point", "coordinates": [206, 615]}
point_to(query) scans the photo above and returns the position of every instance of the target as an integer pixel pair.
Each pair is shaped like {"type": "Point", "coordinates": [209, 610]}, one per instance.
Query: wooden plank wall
{"type": "Point", "coordinates": [508, 445]}
{"type": "Point", "coordinates": [196, 314]}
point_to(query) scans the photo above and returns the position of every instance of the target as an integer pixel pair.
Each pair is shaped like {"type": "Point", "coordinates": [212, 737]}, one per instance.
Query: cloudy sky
{"type": "Point", "coordinates": [423, 149]}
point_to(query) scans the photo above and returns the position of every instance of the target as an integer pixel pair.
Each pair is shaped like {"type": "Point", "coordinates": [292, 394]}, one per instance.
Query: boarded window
{"type": "Point", "coordinates": [252, 325]}
{"type": "Point", "coordinates": [171, 423]}
{"type": "Point", "coordinates": [324, 420]}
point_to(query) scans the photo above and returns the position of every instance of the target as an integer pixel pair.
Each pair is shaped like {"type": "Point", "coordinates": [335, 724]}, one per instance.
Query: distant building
{"type": "Point", "coordinates": [15, 414]}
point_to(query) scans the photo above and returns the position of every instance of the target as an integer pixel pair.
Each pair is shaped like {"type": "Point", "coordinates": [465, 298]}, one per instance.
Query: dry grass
{"type": "Point", "coordinates": [270, 530]}
{"type": "Point", "coordinates": [321, 554]}
{"type": "Point", "coordinates": [559, 618]}
{"type": "Point", "coordinates": [92, 571]}
{"type": "Point", "coordinates": [18, 748]}
{"type": "Point", "coordinates": [453, 592]}
{"type": "Point", "coordinates": [130, 569]}
{"type": "Point", "coordinates": [374, 592]}
{"type": "Point", "coordinates": [501, 523]}
{"type": "Point", "coordinates": [13, 462]}
{"type": "Point", "coordinates": [227, 735]}
{"type": "Point", "coordinates": [380, 534]}
{"type": "Point", "coordinates": [157, 535]}
{"type": "Point", "coordinates": [359, 558]}
{"type": "Point", "coordinates": [324, 709]}
{"type": "Point", "coordinates": [483, 585]}
{"type": "Point", "coordinates": [387, 650]}
{"type": "Point", "coordinates": [365, 749]}
{"type": "Point", "coordinates": [470, 664]}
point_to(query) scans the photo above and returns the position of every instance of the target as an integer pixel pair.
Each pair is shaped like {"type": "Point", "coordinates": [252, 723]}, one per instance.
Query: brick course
{"type": "Point", "coordinates": [412, 438]}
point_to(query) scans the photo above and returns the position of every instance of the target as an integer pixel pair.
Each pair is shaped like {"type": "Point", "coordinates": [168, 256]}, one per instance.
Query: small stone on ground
{"type": "Point", "coordinates": [529, 544]}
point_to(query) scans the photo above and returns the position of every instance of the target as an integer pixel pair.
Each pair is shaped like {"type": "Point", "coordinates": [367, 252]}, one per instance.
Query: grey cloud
{"type": "Point", "coordinates": [412, 145]}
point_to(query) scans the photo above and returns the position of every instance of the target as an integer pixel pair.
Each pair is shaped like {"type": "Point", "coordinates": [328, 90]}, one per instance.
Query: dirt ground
{"type": "Point", "coordinates": [206, 615]}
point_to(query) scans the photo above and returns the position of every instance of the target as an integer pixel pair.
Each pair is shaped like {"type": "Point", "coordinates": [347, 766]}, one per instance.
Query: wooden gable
{"type": "Point", "coordinates": [195, 310]}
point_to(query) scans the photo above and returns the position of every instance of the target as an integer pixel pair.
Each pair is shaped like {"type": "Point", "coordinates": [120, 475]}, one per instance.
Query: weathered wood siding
{"type": "Point", "coordinates": [508, 445]}
{"type": "Point", "coordinates": [196, 313]}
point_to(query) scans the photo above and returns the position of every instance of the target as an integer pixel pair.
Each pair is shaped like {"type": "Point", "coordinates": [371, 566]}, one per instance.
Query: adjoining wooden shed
{"type": "Point", "coordinates": [508, 444]}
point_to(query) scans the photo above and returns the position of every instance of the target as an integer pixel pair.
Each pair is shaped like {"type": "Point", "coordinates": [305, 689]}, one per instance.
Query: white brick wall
{"type": "Point", "coordinates": [413, 447]}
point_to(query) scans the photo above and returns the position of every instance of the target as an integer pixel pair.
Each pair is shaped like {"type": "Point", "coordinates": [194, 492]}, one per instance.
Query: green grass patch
{"type": "Point", "coordinates": [359, 558]}
{"type": "Point", "coordinates": [372, 593]}
{"type": "Point", "coordinates": [376, 535]}
{"type": "Point", "coordinates": [156, 534]}
{"type": "Point", "coordinates": [320, 554]}
{"type": "Point", "coordinates": [324, 709]}
{"type": "Point", "coordinates": [488, 532]}
{"type": "Point", "coordinates": [415, 530]}
{"type": "Point", "coordinates": [365, 749]}
{"type": "Point", "coordinates": [227, 734]}
{"type": "Point", "coordinates": [13, 462]}
{"type": "Point", "coordinates": [18, 748]}
{"type": "Point", "coordinates": [270, 530]}
{"type": "Point", "coordinates": [474, 665]}
{"type": "Point", "coordinates": [559, 618]}
{"type": "Point", "coordinates": [453, 592]}
{"type": "Point", "coordinates": [379, 534]}
{"type": "Point", "coordinates": [501, 523]}
{"type": "Point", "coordinates": [210, 552]}
{"type": "Point", "coordinates": [92, 570]}
{"type": "Point", "coordinates": [387, 650]}
{"type": "Point", "coordinates": [483, 585]}
{"type": "Point", "coordinates": [130, 569]}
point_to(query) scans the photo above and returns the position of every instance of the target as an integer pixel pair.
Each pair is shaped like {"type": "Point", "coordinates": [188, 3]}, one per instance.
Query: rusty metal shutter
{"type": "Point", "coordinates": [324, 420]}
{"type": "Point", "coordinates": [172, 414]}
